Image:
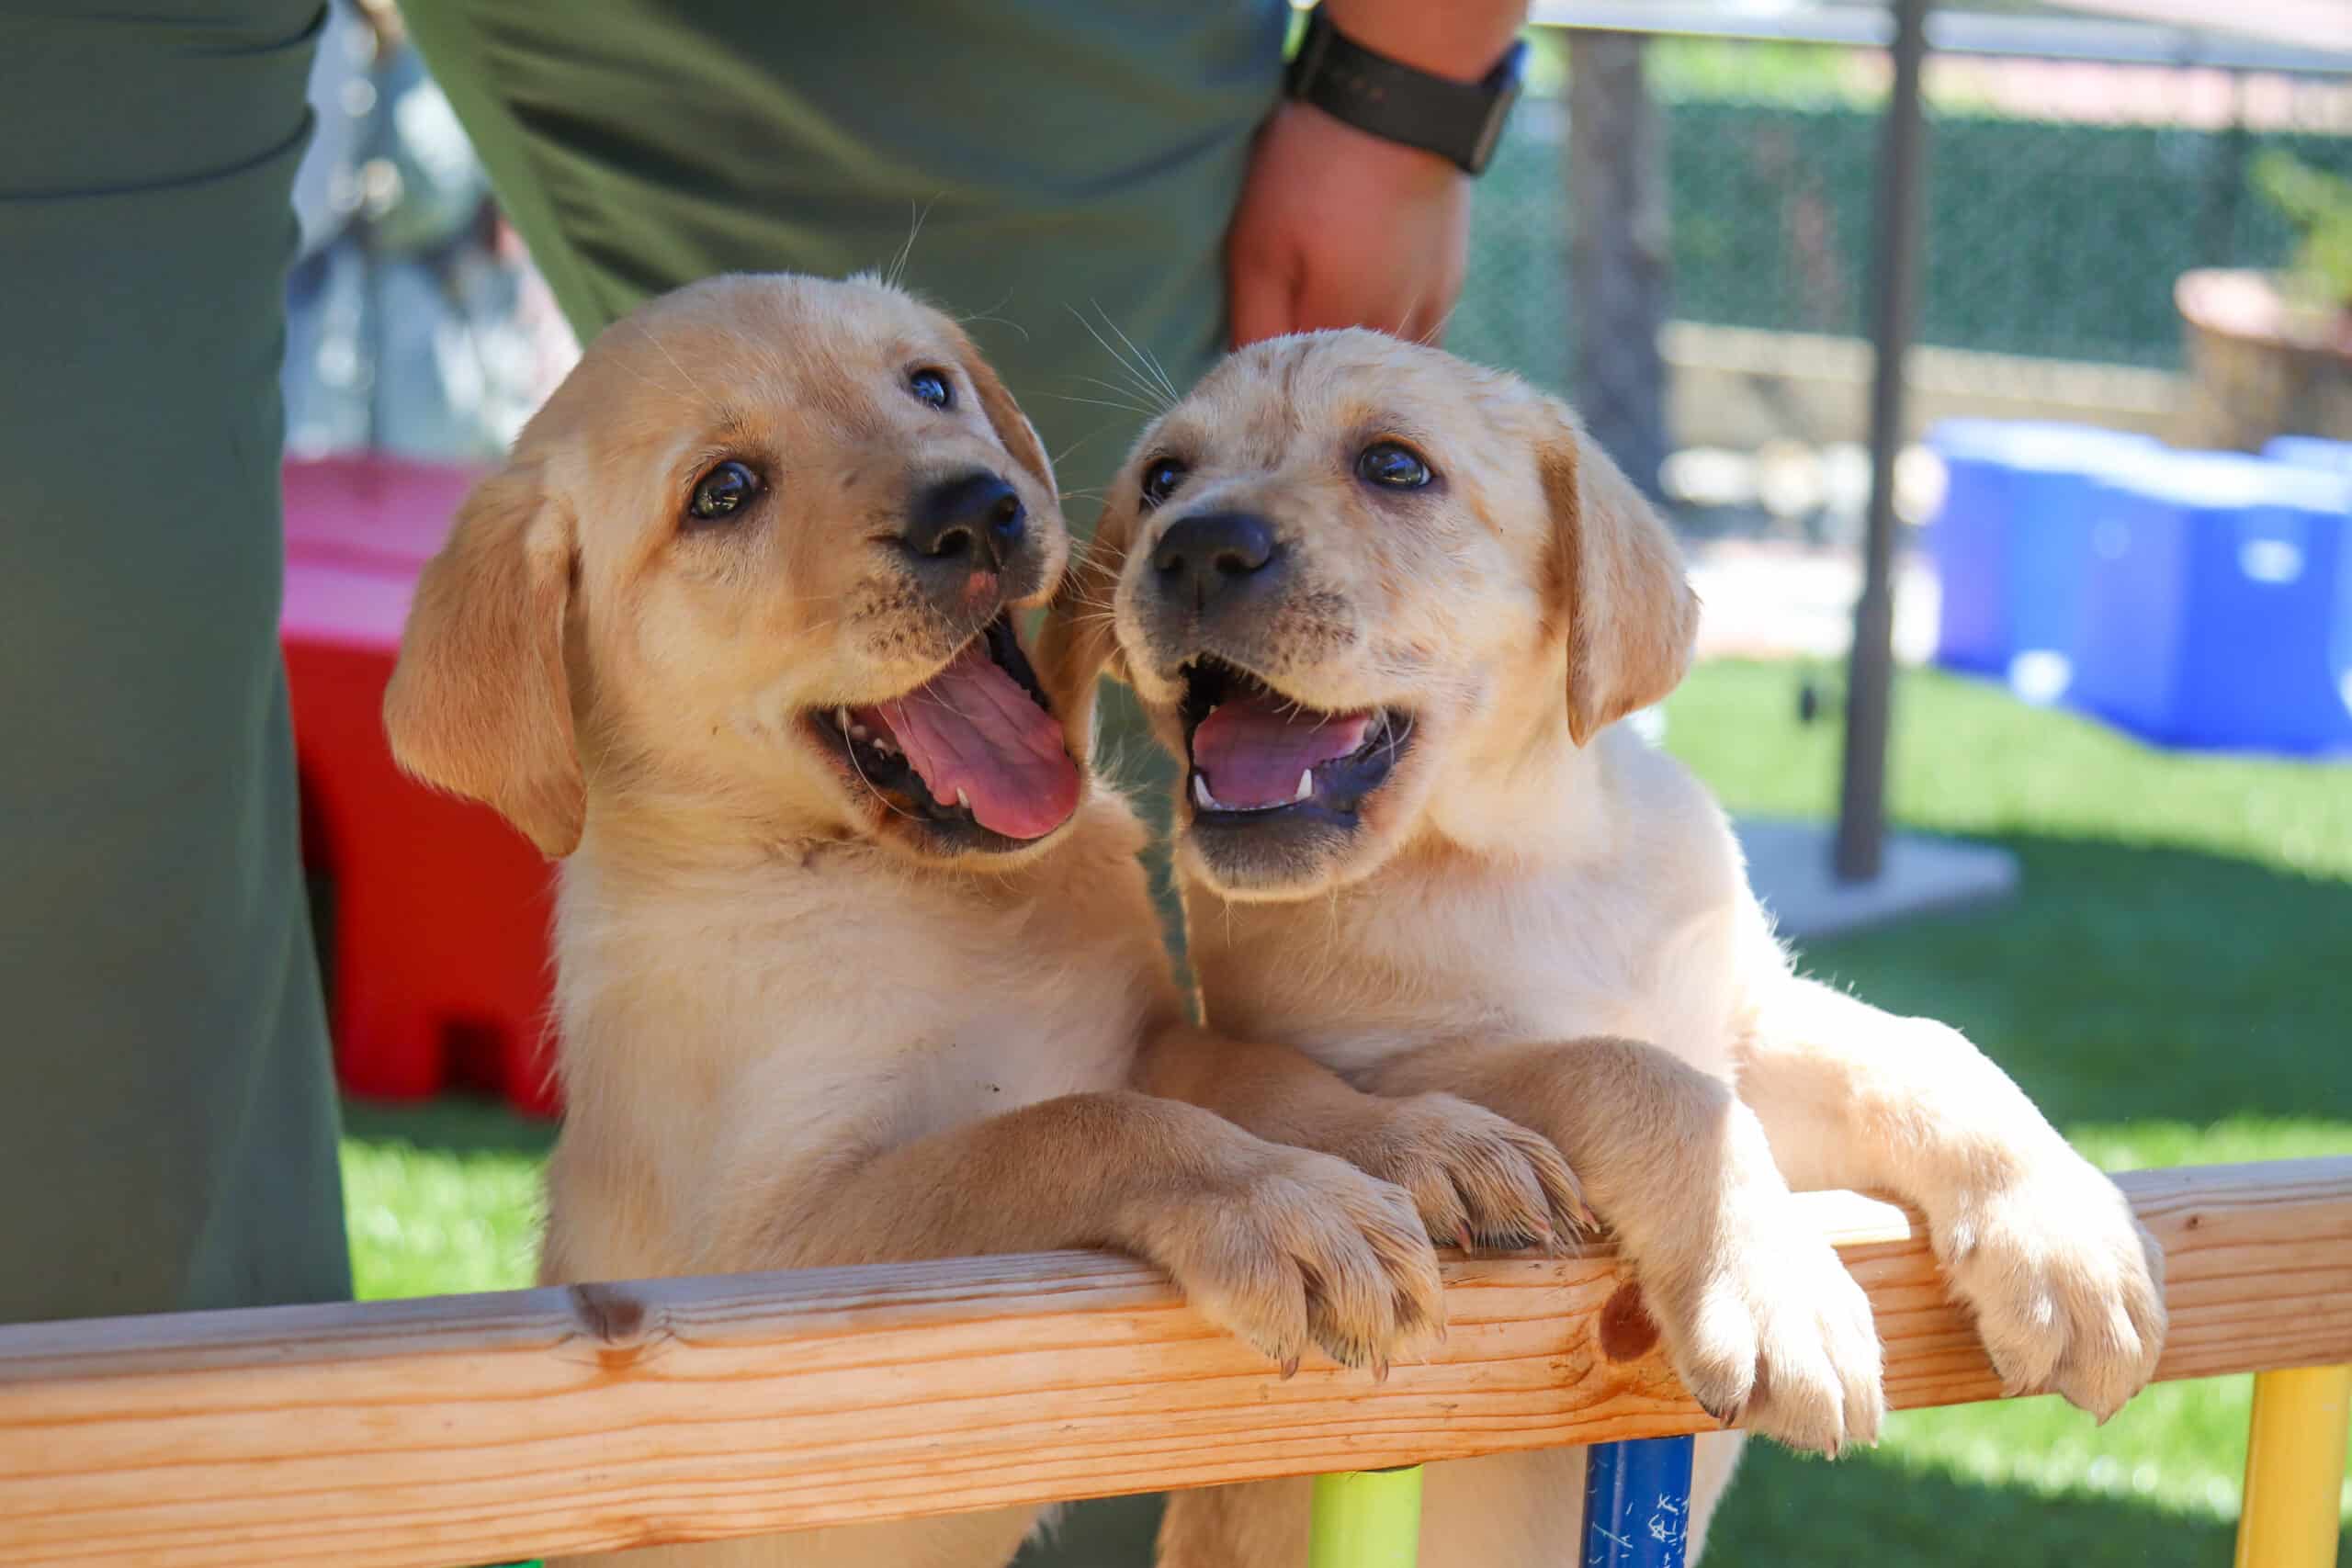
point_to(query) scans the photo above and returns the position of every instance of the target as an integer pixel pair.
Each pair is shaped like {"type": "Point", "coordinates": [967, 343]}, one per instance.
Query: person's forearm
{"type": "Point", "coordinates": [1461, 39]}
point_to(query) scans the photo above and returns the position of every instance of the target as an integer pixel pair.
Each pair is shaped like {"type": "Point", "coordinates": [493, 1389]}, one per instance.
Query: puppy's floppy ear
{"type": "Point", "coordinates": [478, 704]}
{"type": "Point", "coordinates": [1632, 616]}
{"type": "Point", "coordinates": [1014, 431]}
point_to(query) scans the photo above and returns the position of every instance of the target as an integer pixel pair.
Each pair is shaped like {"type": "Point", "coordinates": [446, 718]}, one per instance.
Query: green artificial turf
{"type": "Point", "coordinates": [2170, 984]}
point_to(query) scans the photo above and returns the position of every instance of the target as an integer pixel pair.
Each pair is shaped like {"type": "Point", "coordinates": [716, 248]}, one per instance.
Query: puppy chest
{"type": "Point", "coordinates": [1544, 974]}
{"type": "Point", "coordinates": [982, 1058]}
{"type": "Point", "coordinates": [979, 1071]}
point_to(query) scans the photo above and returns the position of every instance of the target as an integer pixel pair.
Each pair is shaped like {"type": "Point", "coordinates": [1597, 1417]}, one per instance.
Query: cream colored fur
{"type": "Point", "coordinates": [796, 1026]}
{"type": "Point", "coordinates": [1543, 915]}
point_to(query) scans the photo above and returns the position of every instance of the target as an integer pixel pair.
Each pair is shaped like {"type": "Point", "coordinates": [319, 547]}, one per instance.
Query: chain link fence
{"type": "Point", "coordinates": [2063, 202]}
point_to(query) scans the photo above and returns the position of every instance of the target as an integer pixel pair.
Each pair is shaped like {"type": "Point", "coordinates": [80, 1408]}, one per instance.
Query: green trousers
{"type": "Point", "coordinates": [167, 1123]}
{"type": "Point", "coordinates": [166, 1120]}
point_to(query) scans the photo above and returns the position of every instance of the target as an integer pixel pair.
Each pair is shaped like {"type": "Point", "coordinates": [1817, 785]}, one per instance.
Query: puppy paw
{"type": "Point", "coordinates": [1479, 1181]}
{"type": "Point", "coordinates": [1302, 1248]}
{"type": "Point", "coordinates": [2066, 1286]}
{"type": "Point", "coordinates": [1768, 1331]}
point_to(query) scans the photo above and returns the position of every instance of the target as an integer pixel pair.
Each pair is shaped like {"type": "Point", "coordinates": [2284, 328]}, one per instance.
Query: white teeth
{"type": "Point", "coordinates": [1207, 802]}
{"type": "Point", "coordinates": [963, 798]}
{"type": "Point", "coordinates": [857, 731]}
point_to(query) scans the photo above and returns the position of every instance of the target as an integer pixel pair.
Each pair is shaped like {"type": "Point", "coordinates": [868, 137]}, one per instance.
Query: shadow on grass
{"type": "Point", "coordinates": [452, 1125]}
{"type": "Point", "coordinates": [1784, 1509]}
{"type": "Point", "coordinates": [1787, 1510]}
{"type": "Point", "coordinates": [2127, 981]}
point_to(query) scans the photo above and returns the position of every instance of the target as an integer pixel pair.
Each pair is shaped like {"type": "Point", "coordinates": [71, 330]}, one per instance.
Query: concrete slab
{"type": "Point", "coordinates": [1788, 863]}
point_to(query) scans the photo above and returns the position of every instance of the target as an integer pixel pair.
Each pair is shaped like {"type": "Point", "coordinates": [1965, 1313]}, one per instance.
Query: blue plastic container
{"type": "Point", "coordinates": [2011, 544]}
{"type": "Point", "coordinates": [2310, 452]}
{"type": "Point", "coordinates": [2219, 612]}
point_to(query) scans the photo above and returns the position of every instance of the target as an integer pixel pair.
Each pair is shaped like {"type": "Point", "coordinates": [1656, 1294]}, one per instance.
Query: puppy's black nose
{"type": "Point", "coordinates": [1214, 556]}
{"type": "Point", "coordinates": [974, 518]}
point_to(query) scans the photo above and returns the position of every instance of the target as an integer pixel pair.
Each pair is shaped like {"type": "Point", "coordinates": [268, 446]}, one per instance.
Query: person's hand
{"type": "Point", "coordinates": [1338, 227]}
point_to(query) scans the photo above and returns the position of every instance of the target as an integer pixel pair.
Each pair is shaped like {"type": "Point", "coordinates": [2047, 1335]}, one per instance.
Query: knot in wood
{"type": "Point", "coordinates": [1626, 1331]}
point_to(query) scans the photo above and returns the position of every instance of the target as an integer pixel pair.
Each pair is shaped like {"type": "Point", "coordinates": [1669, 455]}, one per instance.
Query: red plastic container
{"type": "Point", "coordinates": [441, 911]}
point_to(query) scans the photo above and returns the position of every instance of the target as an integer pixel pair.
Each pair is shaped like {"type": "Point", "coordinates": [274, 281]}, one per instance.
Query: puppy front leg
{"type": "Point", "coordinates": [1477, 1179]}
{"type": "Point", "coordinates": [1280, 1246]}
{"type": "Point", "coordinates": [2067, 1287]}
{"type": "Point", "coordinates": [1759, 1316]}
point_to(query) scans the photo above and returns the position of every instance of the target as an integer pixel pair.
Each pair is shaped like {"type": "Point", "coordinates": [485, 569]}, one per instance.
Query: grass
{"type": "Point", "coordinates": [441, 1199]}
{"type": "Point", "coordinates": [2169, 986]}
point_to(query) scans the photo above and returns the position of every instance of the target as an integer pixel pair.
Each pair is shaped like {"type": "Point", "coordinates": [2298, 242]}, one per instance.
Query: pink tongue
{"type": "Point", "coordinates": [1253, 749]}
{"type": "Point", "coordinates": [975, 729]}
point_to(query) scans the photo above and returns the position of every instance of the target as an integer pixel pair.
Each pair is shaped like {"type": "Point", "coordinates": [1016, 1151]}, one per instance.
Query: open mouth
{"type": "Point", "coordinates": [1257, 755]}
{"type": "Point", "coordinates": [977, 748]}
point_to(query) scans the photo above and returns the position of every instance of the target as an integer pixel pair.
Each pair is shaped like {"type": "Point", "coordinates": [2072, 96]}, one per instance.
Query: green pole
{"type": "Point", "coordinates": [1367, 1518]}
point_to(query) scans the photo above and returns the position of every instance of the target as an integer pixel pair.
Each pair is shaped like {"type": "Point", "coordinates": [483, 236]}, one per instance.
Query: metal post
{"type": "Point", "coordinates": [1367, 1518]}
{"type": "Point", "coordinates": [1636, 1503]}
{"type": "Point", "coordinates": [1619, 258]}
{"type": "Point", "coordinates": [2294, 1468]}
{"type": "Point", "coordinates": [1862, 811]}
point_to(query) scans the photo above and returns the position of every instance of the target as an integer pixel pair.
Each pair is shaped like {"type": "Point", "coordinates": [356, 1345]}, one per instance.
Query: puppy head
{"type": "Point", "coordinates": [752, 572]}
{"type": "Point", "coordinates": [1365, 590]}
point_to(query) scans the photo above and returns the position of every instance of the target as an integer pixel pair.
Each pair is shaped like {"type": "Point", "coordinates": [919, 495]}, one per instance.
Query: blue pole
{"type": "Point", "coordinates": [1636, 1503]}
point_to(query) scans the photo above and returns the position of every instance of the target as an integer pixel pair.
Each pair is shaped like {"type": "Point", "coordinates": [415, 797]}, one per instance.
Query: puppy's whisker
{"type": "Point", "coordinates": [1005, 321]}
{"type": "Point", "coordinates": [658, 386]}
{"type": "Point", "coordinates": [1137, 386]}
{"type": "Point", "coordinates": [1097, 402]}
{"type": "Point", "coordinates": [1412, 303]}
{"type": "Point", "coordinates": [1114, 390]}
{"type": "Point", "coordinates": [1142, 353]}
{"type": "Point", "coordinates": [1142, 384]}
{"type": "Point", "coordinates": [928, 699]}
{"type": "Point", "coordinates": [888, 804]}
{"type": "Point", "coordinates": [906, 253]}
{"type": "Point", "coordinates": [1160, 401]}
{"type": "Point", "coordinates": [991, 315]}
{"type": "Point", "coordinates": [1073, 447]}
{"type": "Point", "coordinates": [684, 373]}
{"type": "Point", "coordinates": [1436, 335]}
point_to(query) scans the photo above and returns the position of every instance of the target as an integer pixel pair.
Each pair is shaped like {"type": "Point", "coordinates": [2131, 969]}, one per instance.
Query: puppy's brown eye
{"type": "Point", "coordinates": [1161, 477]}
{"type": "Point", "coordinates": [932, 387]}
{"type": "Point", "coordinates": [723, 492]}
{"type": "Point", "coordinates": [1392, 465]}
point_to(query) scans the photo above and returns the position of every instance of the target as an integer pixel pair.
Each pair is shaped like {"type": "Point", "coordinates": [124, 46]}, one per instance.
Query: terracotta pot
{"type": "Point", "coordinates": [2258, 367]}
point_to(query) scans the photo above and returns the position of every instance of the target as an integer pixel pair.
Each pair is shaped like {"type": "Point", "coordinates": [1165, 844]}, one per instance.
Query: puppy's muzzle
{"type": "Point", "coordinates": [1216, 563]}
{"type": "Point", "coordinates": [970, 523]}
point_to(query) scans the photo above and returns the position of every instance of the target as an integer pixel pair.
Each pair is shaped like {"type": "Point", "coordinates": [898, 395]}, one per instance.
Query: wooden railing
{"type": "Point", "coordinates": [481, 1428]}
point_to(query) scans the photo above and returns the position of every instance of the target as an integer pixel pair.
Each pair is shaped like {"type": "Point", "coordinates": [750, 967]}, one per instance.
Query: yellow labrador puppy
{"type": "Point", "coordinates": [1388, 608]}
{"type": "Point", "coordinates": [853, 959]}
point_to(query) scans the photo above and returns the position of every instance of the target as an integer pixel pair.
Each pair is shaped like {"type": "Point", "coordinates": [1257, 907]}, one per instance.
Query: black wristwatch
{"type": "Point", "coordinates": [1459, 120]}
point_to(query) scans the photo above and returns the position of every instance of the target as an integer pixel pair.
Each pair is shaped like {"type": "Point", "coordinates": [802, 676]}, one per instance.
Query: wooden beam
{"type": "Point", "coordinates": [474, 1430]}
